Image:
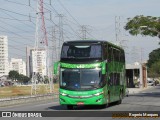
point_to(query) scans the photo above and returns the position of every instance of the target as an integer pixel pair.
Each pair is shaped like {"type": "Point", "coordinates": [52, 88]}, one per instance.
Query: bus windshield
{"type": "Point", "coordinates": [78, 51]}
{"type": "Point", "coordinates": [80, 79]}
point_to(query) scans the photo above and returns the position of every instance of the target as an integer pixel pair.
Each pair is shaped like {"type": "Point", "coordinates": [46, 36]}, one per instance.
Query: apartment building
{"type": "Point", "coordinates": [4, 55]}
{"type": "Point", "coordinates": [18, 65]}
{"type": "Point", "coordinates": [36, 61]}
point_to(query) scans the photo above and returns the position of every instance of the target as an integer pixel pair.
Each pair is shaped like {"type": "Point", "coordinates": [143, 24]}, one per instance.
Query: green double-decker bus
{"type": "Point", "coordinates": [90, 73]}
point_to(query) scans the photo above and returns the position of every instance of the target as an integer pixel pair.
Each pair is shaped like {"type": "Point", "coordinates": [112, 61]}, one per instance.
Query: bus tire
{"type": "Point", "coordinates": [103, 106]}
{"type": "Point", "coordinates": [70, 107]}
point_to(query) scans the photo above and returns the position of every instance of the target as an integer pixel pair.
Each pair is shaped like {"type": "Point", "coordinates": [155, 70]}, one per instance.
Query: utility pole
{"type": "Point", "coordinates": [84, 32]}
{"type": "Point", "coordinates": [118, 30]}
{"type": "Point", "coordinates": [135, 54]}
{"type": "Point", "coordinates": [34, 52]}
{"type": "Point", "coordinates": [141, 54]}
{"type": "Point", "coordinates": [55, 43]}
{"type": "Point", "coordinates": [61, 37]}
{"type": "Point", "coordinates": [54, 53]}
{"type": "Point", "coordinates": [40, 36]}
{"type": "Point", "coordinates": [29, 2]}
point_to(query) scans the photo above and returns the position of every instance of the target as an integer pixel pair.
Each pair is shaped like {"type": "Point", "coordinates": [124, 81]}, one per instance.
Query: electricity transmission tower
{"type": "Point", "coordinates": [40, 37]}
{"type": "Point", "coordinates": [84, 32]}
{"type": "Point", "coordinates": [61, 33]}
{"type": "Point", "coordinates": [117, 28]}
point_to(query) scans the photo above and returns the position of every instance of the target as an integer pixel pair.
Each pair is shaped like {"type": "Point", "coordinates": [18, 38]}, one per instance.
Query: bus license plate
{"type": "Point", "coordinates": [80, 103]}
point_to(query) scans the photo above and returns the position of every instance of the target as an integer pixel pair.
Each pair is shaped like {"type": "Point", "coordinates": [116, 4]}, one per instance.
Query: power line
{"type": "Point", "coordinates": [16, 3]}
{"type": "Point", "coordinates": [73, 17]}
{"type": "Point", "coordinates": [68, 12]}
{"type": "Point", "coordinates": [63, 28]}
{"type": "Point", "coordinates": [12, 19]}
{"type": "Point", "coordinates": [51, 7]}
{"type": "Point", "coordinates": [19, 20]}
{"type": "Point", "coordinates": [84, 32]}
{"type": "Point", "coordinates": [14, 26]}
{"type": "Point", "coordinates": [75, 31]}
{"type": "Point", "coordinates": [58, 14]}
{"type": "Point", "coordinates": [18, 55]}
{"type": "Point", "coordinates": [15, 48]}
{"type": "Point", "coordinates": [14, 33]}
{"type": "Point", "coordinates": [16, 13]}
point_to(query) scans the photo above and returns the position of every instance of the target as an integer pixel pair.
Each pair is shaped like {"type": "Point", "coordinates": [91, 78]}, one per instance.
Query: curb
{"type": "Point", "coordinates": [26, 99]}
{"type": "Point", "coordinates": [138, 90]}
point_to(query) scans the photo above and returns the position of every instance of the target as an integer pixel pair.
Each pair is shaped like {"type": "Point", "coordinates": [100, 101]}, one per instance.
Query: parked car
{"type": "Point", "coordinates": [150, 83]}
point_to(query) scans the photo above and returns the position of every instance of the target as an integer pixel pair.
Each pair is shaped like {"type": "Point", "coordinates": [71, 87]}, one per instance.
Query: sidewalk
{"type": "Point", "coordinates": [138, 90]}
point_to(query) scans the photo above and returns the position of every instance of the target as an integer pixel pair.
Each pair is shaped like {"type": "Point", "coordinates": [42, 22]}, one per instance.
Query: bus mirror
{"type": "Point", "coordinates": [55, 68]}
{"type": "Point", "coordinates": [104, 68]}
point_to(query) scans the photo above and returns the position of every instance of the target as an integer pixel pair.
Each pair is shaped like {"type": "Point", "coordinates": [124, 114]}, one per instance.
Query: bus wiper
{"type": "Point", "coordinates": [95, 86]}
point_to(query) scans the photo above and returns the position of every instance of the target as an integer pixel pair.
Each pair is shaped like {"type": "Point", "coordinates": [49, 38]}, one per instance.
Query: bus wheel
{"type": "Point", "coordinates": [103, 106]}
{"type": "Point", "coordinates": [70, 107]}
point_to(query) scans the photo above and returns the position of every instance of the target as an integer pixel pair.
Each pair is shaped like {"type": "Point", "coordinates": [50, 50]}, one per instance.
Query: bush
{"type": "Point", "coordinates": [156, 82]}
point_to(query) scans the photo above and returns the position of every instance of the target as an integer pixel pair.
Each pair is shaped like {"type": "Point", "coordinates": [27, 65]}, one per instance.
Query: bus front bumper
{"type": "Point", "coordinates": [80, 100]}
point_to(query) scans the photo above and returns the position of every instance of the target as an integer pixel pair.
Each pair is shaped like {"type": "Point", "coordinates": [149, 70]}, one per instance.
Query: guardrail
{"type": "Point", "coordinates": [26, 99]}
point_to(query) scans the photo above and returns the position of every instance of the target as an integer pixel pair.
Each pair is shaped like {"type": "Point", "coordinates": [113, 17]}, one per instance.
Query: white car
{"type": "Point", "coordinates": [150, 82]}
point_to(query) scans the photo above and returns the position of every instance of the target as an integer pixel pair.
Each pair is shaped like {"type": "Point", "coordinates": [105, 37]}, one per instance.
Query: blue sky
{"type": "Point", "coordinates": [98, 15]}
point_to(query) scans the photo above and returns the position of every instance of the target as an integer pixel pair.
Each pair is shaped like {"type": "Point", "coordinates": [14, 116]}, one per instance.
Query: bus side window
{"type": "Point", "coordinates": [106, 51]}
{"type": "Point", "coordinates": [112, 55]}
{"type": "Point", "coordinates": [109, 52]}
{"type": "Point", "coordinates": [122, 57]}
{"type": "Point", "coordinates": [111, 80]}
{"type": "Point", "coordinates": [118, 56]}
{"type": "Point", "coordinates": [106, 56]}
{"type": "Point", "coordinates": [116, 78]}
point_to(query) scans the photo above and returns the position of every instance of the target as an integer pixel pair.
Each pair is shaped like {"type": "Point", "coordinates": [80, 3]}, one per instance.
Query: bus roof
{"type": "Point", "coordinates": [93, 41]}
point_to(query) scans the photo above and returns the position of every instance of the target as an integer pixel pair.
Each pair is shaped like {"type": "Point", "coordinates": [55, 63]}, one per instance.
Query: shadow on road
{"type": "Point", "coordinates": [154, 92]}
{"type": "Point", "coordinates": [86, 107]}
{"type": "Point", "coordinates": [149, 94]}
{"type": "Point", "coordinates": [57, 107]}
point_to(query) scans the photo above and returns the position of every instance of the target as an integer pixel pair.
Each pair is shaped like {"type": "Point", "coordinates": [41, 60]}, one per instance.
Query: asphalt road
{"type": "Point", "coordinates": [148, 100]}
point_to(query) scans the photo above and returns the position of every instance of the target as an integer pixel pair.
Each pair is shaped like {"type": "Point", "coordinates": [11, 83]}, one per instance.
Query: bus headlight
{"type": "Point", "coordinates": [63, 94]}
{"type": "Point", "coordinates": [100, 93]}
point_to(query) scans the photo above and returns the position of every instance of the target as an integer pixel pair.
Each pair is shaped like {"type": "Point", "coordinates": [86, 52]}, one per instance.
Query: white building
{"type": "Point", "coordinates": [137, 71]}
{"type": "Point", "coordinates": [3, 55]}
{"type": "Point", "coordinates": [18, 65]}
{"type": "Point", "coordinates": [36, 61]}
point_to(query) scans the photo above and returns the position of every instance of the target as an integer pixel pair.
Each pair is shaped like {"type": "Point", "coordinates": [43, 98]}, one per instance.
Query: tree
{"type": "Point", "coordinates": [144, 25]}
{"type": "Point", "coordinates": [154, 56]}
{"type": "Point", "coordinates": [23, 79]}
{"type": "Point", "coordinates": [46, 79]}
{"type": "Point", "coordinates": [154, 70]}
{"type": "Point", "coordinates": [14, 75]}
